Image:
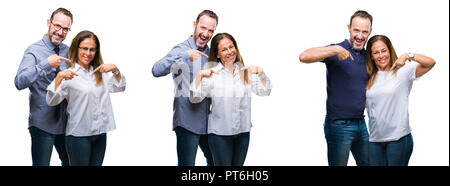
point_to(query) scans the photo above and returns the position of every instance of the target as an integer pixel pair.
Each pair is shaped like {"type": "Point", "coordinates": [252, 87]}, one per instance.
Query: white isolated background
{"type": "Point", "coordinates": [287, 125]}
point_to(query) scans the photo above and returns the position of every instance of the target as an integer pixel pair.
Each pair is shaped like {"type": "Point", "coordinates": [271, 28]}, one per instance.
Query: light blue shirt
{"type": "Point", "coordinates": [35, 73]}
{"type": "Point", "coordinates": [192, 117]}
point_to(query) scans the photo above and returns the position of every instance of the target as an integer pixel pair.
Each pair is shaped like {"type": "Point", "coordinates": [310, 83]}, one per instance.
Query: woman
{"type": "Point", "coordinates": [388, 88]}
{"type": "Point", "coordinates": [86, 85]}
{"type": "Point", "coordinates": [229, 84]}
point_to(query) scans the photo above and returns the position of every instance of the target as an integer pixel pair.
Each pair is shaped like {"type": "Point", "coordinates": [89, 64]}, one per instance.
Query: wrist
{"type": "Point", "coordinates": [116, 71]}
{"type": "Point", "coordinates": [410, 56]}
{"type": "Point", "coordinates": [200, 75]}
{"type": "Point", "coordinates": [59, 77]}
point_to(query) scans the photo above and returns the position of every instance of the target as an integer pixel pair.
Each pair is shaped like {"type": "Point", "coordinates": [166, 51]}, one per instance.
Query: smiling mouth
{"type": "Point", "coordinates": [202, 38]}
{"type": "Point", "coordinates": [382, 61]}
{"type": "Point", "coordinates": [359, 41]}
{"type": "Point", "coordinates": [86, 58]}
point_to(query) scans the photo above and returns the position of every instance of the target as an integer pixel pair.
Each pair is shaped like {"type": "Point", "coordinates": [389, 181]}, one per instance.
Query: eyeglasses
{"type": "Point", "coordinates": [59, 27]}
{"type": "Point", "coordinates": [86, 49]}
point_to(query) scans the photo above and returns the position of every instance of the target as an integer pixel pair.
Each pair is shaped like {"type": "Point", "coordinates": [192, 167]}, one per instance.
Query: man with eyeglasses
{"type": "Point", "coordinates": [184, 61]}
{"type": "Point", "coordinates": [41, 62]}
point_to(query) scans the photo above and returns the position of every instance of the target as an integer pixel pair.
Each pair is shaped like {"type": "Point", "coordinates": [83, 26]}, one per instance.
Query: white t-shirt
{"type": "Point", "coordinates": [387, 104]}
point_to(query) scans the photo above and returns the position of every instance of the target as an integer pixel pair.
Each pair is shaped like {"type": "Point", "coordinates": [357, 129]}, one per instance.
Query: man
{"type": "Point", "coordinates": [345, 128]}
{"type": "Point", "coordinates": [184, 61]}
{"type": "Point", "coordinates": [41, 62]}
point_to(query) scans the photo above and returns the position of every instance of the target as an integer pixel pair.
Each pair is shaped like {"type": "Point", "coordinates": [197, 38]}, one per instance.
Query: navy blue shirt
{"type": "Point", "coordinates": [346, 84]}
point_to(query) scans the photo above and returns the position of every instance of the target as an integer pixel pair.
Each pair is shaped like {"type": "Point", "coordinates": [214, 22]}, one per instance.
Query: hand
{"type": "Point", "coordinates": [342, 53]}
{"type": "Point", "coordinates": [54, 60]}
{"type": "Point", "coordinates": [206, 73]}
{"type": "Point", "coordinates": [66, 74]}
{"type": "Point", "coordinates": [400, 62]}
{"type": "Point", "coordinates": [253, 69]}
{"type": "Point", "coordinates": [106, 68]}
{"type": "Point", "coordinates": [194, 54]}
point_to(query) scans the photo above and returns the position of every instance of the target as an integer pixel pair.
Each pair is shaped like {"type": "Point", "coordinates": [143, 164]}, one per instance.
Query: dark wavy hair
{"type": "Point", "coordinates": [215, 50]}
{"type": "Point", "coordinates": [371, 67]}
{"type": "Point", "coordinates": [96, 62]}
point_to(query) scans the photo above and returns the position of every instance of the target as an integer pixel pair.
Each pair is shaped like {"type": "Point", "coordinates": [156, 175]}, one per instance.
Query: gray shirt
{"type": "Point", "coordinates": [191, 116]}
{"type": "Point", "coordinates": [35, 73]}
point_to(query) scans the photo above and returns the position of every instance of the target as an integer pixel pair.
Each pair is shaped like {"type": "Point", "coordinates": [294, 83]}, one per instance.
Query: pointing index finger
{"type": "Point", "coordinates": [63, 58]}
{"type": "Point", "coordinates": [351, 57]}
{"type": "Point", "coordinates": [203, 54]}
{"type": "Point", "coordinates": [97, 68]}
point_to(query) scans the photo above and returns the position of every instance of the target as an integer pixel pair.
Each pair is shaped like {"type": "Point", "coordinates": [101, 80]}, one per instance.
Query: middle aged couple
{"type": "Point", "coordinates": [376, 79]}
{"type": "Point", "coordinates": [212, 102]}
{"type": "Point", "coordinates": [212, 106]}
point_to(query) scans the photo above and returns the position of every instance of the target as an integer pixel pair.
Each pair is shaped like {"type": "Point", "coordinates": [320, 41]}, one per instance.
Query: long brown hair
{"type": "Point", "coordinates": [97, 61]}
{"type": "Point", "coordinates": [215, 50]}
{"type": "Point", "coordinates": [372, 69]}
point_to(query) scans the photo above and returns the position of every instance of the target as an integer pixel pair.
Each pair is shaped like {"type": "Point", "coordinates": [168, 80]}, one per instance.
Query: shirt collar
{"type": "Point", "coordinates": [220, 67]}
{"type": "Point", "coordinates": [48, 43]}
{"type": "Point", "coordinates": [77, 68]}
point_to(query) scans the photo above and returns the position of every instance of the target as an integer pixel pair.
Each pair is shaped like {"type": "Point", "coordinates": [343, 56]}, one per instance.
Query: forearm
{"type": "Point", "coordinates": [198, 79]}
{"type": "Point", "coordinates": [425, 64]}
{"type": "Point", "coordinates": [424, 61]}
{"type": "Point", "coordinates": [317, 54]}
{"type": "Point", "coordinates": [164, 65]}
{"type": "Point", "coordinates": [54, 95]}
{"type": "Point", "coordinates": [58, 81]}
{"type": "Point", "coordinates": [118, 77]}
{"type": "Point", "coordinates": [196, 93]}
{"type": "Point", "coordinates": [29, 72]}
{"type": "Point", "coordinates": [261, 85]}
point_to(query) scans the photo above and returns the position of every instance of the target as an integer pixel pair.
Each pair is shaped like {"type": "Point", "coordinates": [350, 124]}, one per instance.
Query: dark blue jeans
{"type": "Point", "coordinates": [187, 144]}
{"type": "Point", "coordinates": [42, 147]}
{"type": "Point", "coordinates": [344, 136]}
{"type": "Point", "coordinates": [393, 153]}
{"type": "Point", "coordinates": [229, 150]}
{"type": "Point", "coordinates": [86, 151]}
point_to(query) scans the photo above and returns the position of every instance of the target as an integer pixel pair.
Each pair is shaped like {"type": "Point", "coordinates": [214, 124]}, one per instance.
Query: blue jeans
{"type": "Point", "coordinates": [393, 153]}
{"type": "Point", "coordinates": [187, 144]}
{"type": "Point", "coordinates": [344, 136]}
{"type": "Point", "coordinates": [229, 150]}
{"type": "Point", "coordinates": [86, 151]}
{"type": "Point", "coordinates": [42, 147]}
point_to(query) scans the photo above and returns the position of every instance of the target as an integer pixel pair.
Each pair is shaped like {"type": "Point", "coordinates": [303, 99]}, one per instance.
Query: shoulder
{"type": "Point", "coordinates": [408, 68]}
{"type": "Point", "coordinates": [35, 46]}
{"type": "Point", "coordinates": [187, 44]}
{"type": "Point", "coordinates": [180, 47]}
{"type": "Point", "coordinates": [344, 44]}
